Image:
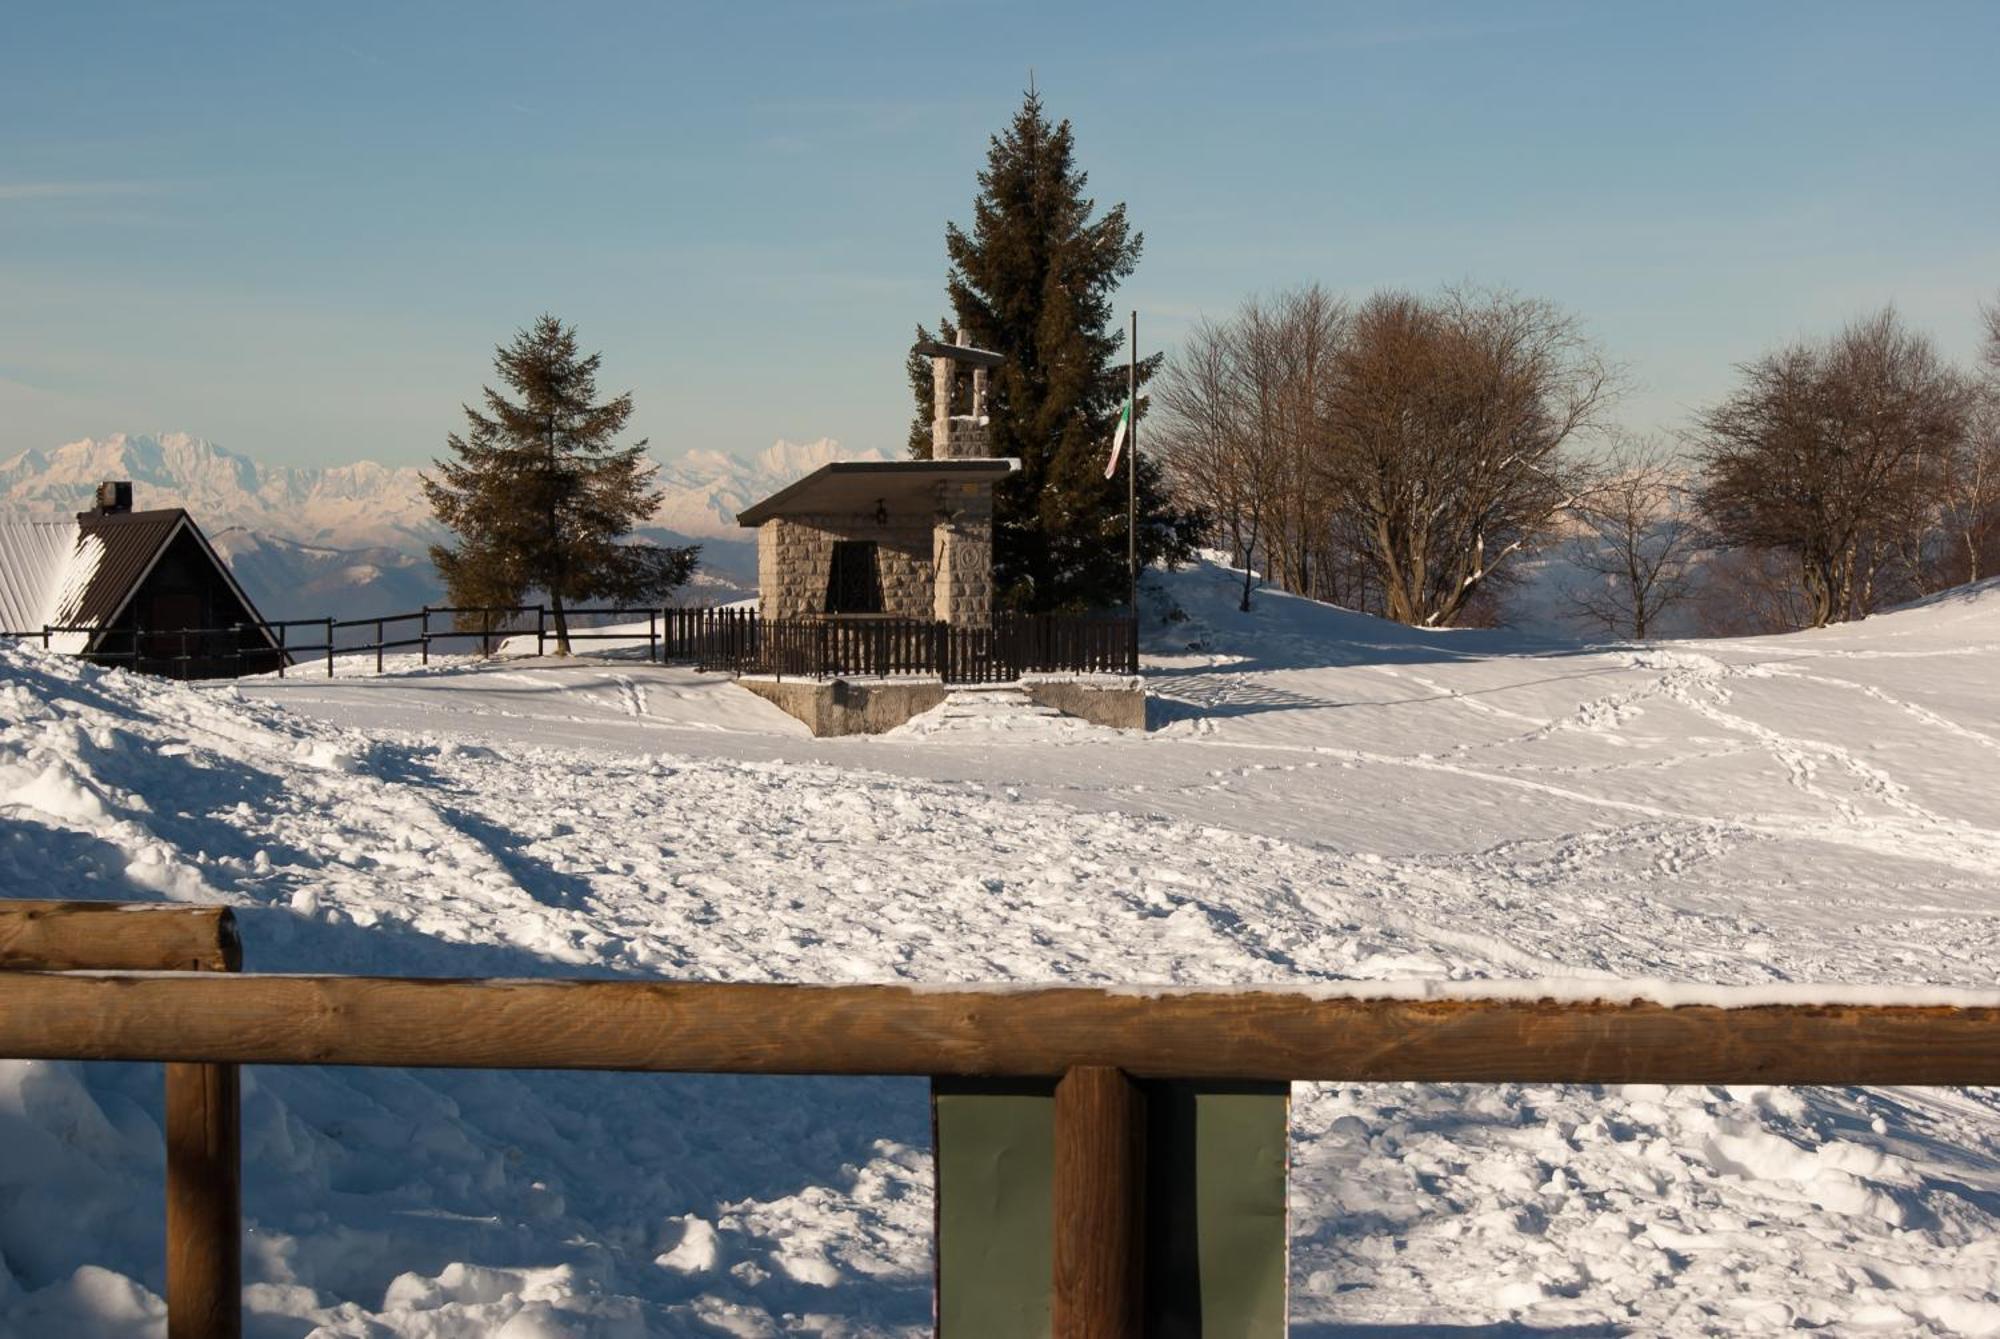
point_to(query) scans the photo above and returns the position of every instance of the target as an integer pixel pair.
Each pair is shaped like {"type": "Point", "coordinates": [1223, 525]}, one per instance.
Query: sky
{"type": "Point", "coordinates": [300, 230]}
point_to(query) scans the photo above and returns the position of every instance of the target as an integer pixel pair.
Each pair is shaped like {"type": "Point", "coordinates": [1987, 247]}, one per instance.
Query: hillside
{"type": "Point", "coordinates": [1329, 798]}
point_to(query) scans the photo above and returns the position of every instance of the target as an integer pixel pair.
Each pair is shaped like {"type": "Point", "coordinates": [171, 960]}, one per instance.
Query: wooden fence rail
{"type": "Point", "coordinates": [1093, 1041]}
{"type": "Point", "coordinates": [1273, 1035]}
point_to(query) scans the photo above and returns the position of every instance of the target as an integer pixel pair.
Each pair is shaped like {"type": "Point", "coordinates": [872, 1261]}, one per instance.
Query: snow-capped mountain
{"type": "Point", "coordinates": [287, 579]}
{"type": "Point", "coordinates": [344, 506]}
{"type": "Point", "coordinates": [351, 540]}
{"type": "Point", "coordinates": [705, 489]}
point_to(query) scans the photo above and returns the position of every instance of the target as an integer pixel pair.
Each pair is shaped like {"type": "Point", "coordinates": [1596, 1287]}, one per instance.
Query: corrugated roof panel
{"type": "Point", "coordinates": [69, 593]}
{"type": "Point", "coordinates": [132, 540]}
{"type": "Point", "coordinates": [34, 555]}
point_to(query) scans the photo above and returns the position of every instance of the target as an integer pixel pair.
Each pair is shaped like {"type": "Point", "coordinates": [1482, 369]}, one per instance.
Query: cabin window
{"type": "Point", "coordinates": [852, 584]}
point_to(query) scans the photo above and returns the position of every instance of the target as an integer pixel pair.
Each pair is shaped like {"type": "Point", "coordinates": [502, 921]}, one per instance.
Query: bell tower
{"type": "Point", "coordinates": [959, 436]}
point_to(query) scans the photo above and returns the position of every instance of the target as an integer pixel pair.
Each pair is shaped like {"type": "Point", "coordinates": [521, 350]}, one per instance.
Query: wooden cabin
{"type": "Point", "coordinates": [142, 590]}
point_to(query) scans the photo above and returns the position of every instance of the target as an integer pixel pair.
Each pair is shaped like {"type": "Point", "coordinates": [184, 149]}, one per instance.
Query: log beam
{"type": "Point", "coordinates": [793, 1029]}
{"type": "Point", "coordinates": [114, 936]}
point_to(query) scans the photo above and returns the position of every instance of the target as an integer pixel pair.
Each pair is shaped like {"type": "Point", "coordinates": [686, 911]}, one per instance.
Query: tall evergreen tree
{"type": "Point", "coordinates": [1033, 280]}
{"type": "Point", "coordinates": [539, 495]}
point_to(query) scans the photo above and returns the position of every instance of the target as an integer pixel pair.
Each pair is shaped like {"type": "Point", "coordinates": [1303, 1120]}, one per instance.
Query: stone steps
{"type": "Point", "coordinates": [990, 710]}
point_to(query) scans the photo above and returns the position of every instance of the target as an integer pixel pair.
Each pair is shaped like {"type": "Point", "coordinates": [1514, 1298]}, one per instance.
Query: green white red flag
{"type": "Point", "coordinates": [1118, 438]}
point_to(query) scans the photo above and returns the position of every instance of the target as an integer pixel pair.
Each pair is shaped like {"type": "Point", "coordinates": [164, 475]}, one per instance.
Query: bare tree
{"type": "Point", "coordinates": [1243, 413]}
{"type": "Point", "coordinates": [1200, 434]}
{"type": "Point", "coordinates": [1641, 542]}
{"type": "Point", "coordinates": [1452, 424]}
{"type": "Point", "coordinates": [1970, 511]}
{"type": "Point", "coordinates": [1828, 450]}
{"type": "Point", "coordinates": [1971, 508]}
{"type": "Point", "coordinates": [1749, 592]}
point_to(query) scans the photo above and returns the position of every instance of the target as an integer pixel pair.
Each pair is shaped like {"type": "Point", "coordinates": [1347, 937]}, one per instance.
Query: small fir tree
{"type": "Point", "coordinates": [539, 495]}
{"type": "Point", "coordinates": [1033, 280]}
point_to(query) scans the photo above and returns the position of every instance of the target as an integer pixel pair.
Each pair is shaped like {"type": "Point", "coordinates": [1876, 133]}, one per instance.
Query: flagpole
{"type": "Point", "coordinates": [1132, 478]}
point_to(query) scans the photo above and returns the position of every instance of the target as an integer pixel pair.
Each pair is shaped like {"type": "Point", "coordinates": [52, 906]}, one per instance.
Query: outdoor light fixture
{"type": "Point", "coordinates": [881, 512]}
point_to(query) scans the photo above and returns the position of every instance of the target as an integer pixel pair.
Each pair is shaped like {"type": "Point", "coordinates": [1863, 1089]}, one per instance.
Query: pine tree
{"type": "Point", "coordinates": [1033, 281]}
{"type": "Point", "coordinates": [539, 495]}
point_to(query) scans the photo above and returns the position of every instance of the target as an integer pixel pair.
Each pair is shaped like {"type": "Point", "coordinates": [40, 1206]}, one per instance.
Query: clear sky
{"type": "Point", "coordinates": [300, 229]}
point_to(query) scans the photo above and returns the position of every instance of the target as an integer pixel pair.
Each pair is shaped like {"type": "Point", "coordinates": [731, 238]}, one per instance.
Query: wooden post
{"type": "Point", "coordinates": [378, 645]}
{"type": "Point", "coordinates": [329, 648]}
{"type": "Point", "coordinates": [204, 1104]}
{"type": "Point", "coordinates": [204, 1129]}
{"type": "Point", "coordinates": [424, 633]}
{"type": "Point", "coordinates": [204, 1202]}
{"type": "Point", "coordinates": [1100, 1187]}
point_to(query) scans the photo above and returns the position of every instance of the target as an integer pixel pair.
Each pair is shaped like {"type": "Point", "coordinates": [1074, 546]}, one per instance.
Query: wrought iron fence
{"type": "Point", "coordinates": [734, 641]}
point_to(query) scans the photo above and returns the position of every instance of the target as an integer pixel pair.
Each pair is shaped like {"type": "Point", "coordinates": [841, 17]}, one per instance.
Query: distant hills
{"type": "Point", "coordinates": [350, 540]}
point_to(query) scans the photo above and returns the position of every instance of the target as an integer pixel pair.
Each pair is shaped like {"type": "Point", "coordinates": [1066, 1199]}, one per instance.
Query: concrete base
{"type": "Point", "coordinates": [1120, 705]}
{"type": "Point", "coordinates": [846, 707]}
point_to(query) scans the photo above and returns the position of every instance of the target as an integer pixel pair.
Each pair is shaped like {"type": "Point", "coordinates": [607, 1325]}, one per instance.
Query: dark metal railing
{"type": "Point", "coordinates": [1013, 645]}
{"type": "Point", "coordinates": [733, 641]}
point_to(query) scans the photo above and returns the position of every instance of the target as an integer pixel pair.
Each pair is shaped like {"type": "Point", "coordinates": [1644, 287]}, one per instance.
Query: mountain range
{"type": "Point", "coordinates": [350, 540]}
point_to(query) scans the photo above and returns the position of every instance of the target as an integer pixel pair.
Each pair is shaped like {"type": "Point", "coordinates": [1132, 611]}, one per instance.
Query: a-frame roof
{"type": "Point", "coordinates": [109, 556]}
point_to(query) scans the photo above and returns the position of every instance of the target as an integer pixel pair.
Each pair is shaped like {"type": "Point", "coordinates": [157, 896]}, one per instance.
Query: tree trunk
{"type": "Point", "coordinates": [562, 623]}
{"type": "Point", "coordinates": [1249, 575]}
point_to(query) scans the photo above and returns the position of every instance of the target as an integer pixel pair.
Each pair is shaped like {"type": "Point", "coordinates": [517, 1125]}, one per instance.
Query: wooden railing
{"type": "Point", "coordinates": [1095, 1042]}
{"type": "Point", "coordinates": [203, 1101]}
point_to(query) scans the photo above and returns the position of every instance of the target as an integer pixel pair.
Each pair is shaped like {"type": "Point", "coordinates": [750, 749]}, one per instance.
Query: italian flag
{"type": "Point", "coordinates": [1118, 438]}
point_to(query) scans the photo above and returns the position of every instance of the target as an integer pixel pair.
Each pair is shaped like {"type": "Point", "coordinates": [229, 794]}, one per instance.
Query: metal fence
{"type": "Point", "coordinates": [1013, 645]}
{"type": "Point", "coordinates": [734, 641]}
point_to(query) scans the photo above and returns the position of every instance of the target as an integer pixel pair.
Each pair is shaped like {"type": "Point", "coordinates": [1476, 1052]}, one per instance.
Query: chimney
{"type": "Point", "coordinates": [114, 497]}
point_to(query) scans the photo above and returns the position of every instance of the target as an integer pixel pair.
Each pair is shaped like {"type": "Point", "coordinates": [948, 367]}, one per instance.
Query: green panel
{"type": "Point", "coordinates": [1216, 1249]}
{"type": "Point", "coordinates": [1240, 1167]}
{"type": "Point", "coordinates": [995, 1151]}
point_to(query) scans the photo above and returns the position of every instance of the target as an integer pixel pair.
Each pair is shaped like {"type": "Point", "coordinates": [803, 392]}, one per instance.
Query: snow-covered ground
{"type": "Point", "coordinates": [1329, 798]}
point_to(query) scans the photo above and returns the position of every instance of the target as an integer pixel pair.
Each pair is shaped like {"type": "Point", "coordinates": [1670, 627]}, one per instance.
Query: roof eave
{"type": "Point", "coordinates": [995, 467]}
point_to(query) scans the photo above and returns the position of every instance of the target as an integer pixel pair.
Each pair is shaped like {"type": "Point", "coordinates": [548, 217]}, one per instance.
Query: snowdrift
{"type": "Point", "coordinates": [1336, 799]}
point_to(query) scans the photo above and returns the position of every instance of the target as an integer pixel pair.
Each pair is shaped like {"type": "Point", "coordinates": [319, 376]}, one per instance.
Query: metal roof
{"type": "Point", "coordinates": [83, 570]}
{"type": "Point", "coordinates": [34, 554]}
{"type": "Point", "coordinates": [857, 485]}
{"type": "Point", "coordinates": [133, 542]}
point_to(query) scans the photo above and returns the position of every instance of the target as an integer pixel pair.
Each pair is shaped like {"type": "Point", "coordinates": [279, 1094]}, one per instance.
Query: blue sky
{"type": "Point", "coordinates": [299, 230]}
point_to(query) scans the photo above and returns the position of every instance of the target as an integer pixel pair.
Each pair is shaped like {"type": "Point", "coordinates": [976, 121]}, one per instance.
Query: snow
{"type": "Point", "coordinates": [34, 554]}
{"type": "Point", "coordinates": [1002, 713]}
{"type": "Point", "coordinates": [1334, 805]}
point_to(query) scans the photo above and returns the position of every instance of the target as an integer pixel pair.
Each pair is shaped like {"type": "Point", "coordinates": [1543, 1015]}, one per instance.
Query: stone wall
{"type": "Point", "coordinates": [964, 562]}
{"type": "Point", "coordinates": [966, 437]}
{"type": "Point", "coordinates": [795, 555]}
